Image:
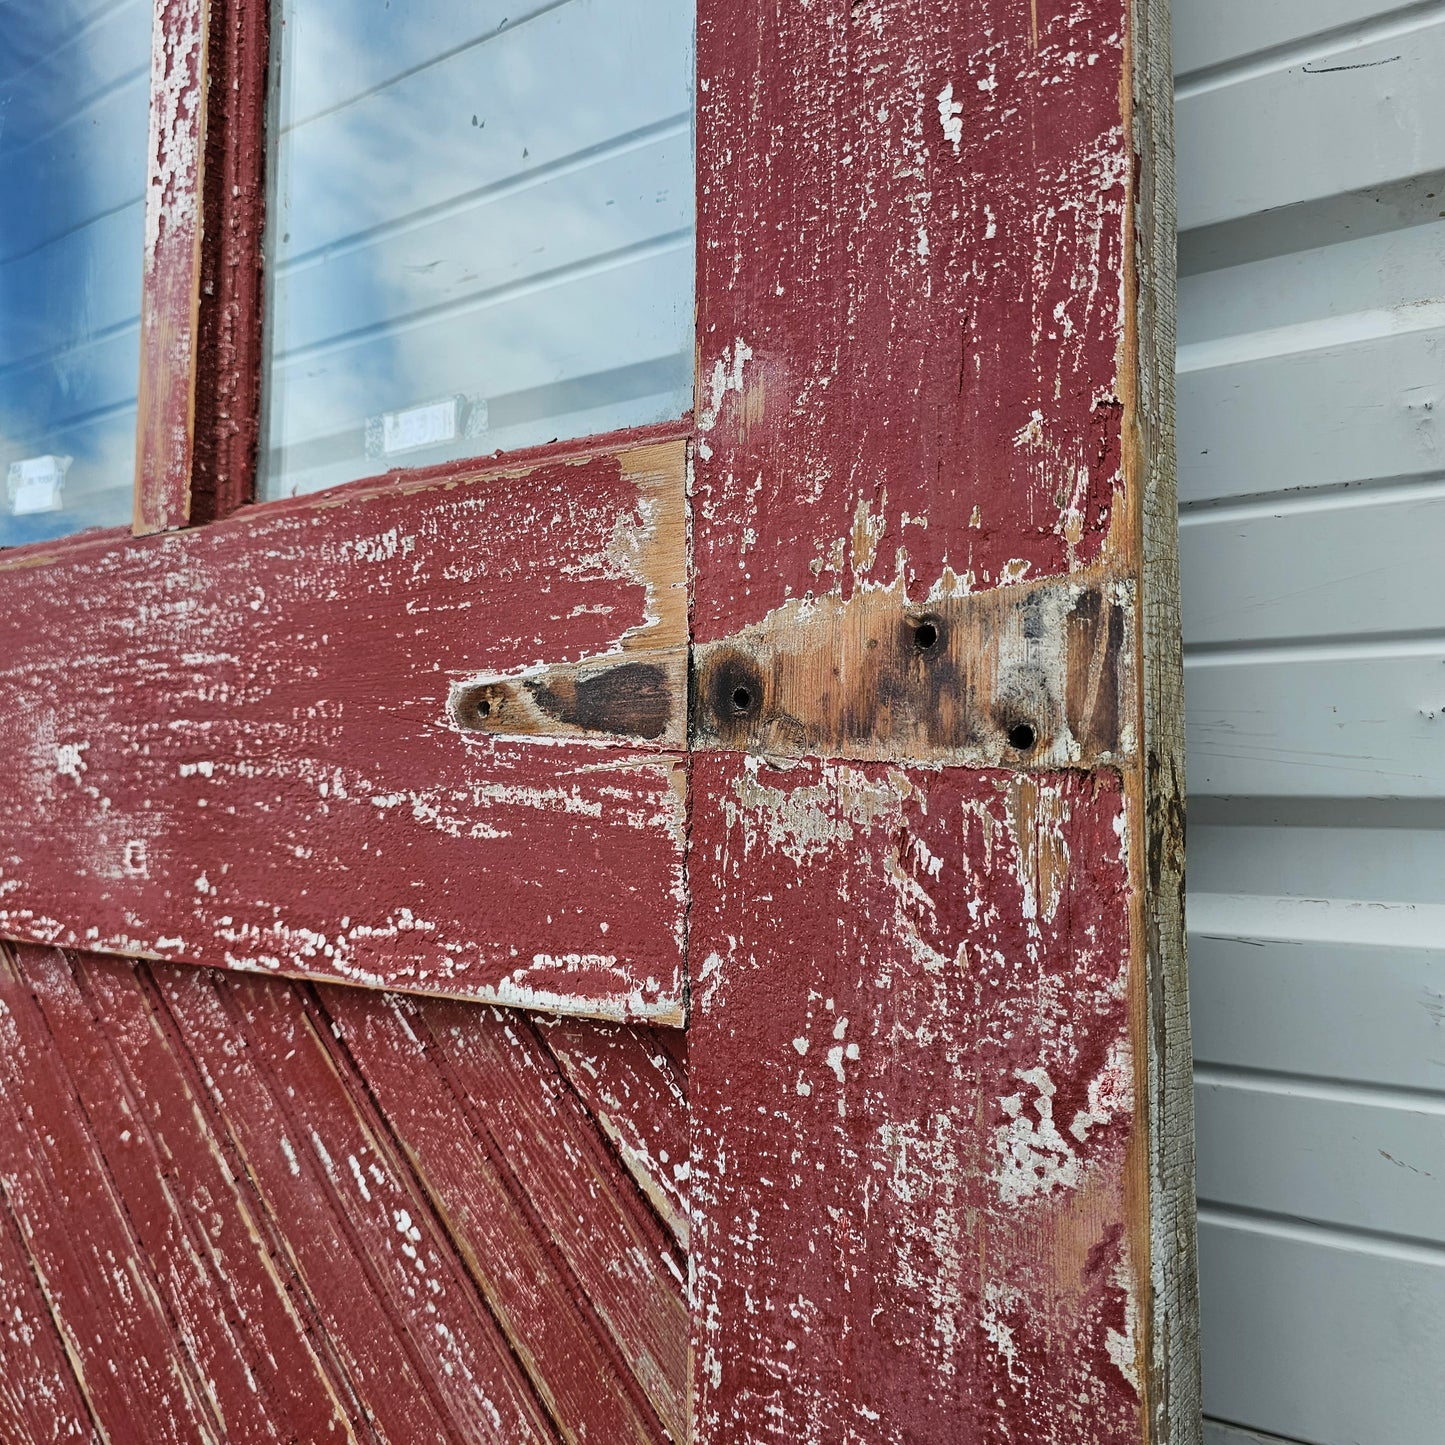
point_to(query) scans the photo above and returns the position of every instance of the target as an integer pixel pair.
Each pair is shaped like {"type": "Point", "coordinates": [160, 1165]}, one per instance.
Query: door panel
{"type": "Point", "coordinates": [881, 781]}
{"type": "Point", "coordinates": [238, 745]}
{"type": "Point", "coordinates": [261, 1212]}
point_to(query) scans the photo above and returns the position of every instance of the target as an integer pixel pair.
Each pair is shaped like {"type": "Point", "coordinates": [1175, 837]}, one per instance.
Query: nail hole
{"type": "Point", "coordinates": [742, 699]}
{"type": "Point", "coordinates": [484, 708]}
{"type": "Point", "coordinates": [1022, 736]}
{"type": "Point", "coordinates": [925, 636]}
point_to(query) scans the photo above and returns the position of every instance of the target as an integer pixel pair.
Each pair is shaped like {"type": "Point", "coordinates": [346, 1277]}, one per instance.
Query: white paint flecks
{"type": "Point", "coordinates": [1034, 1158]}
{"type": "Point", "coordinates": [70, 760]}
{"type": "Point", "coordinates": [950, 117]}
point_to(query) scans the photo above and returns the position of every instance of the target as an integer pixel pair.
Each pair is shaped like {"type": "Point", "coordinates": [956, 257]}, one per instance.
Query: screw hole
{"type": "Point", "coordinates": [484, 708]}
{"type": "Point", "coordinates": [1022, 736]}
{"type": "Point", "coordinates": [925, 637]}
{"type": "Point", "coordinates": [742, 699]}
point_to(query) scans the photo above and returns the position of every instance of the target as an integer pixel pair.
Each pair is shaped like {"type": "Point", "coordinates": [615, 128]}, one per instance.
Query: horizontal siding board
{"type": "Point", "coordinates": [1282, 724]}
{"type": "Point", "coordinates": [1308, 1335]}
{"type": "Point", "coordinates": [1355, 1158]}
{"type": "Point", "coordinates": [1208, 33]}
{"type": "Point", "coordinates": [1369, 851]}
{"type": "Point", "coordinates": [1303, 571]}
{"type": "Point", "coordinates": [1331, 415]}
{"type": "Point", "coordinates": [1218, 1433]}
{"type": "Point", "coordinates": [1353, 1012]}
{"type": "Point", "coordinates": [1339, 279]}
{"type": "Point", "coordinates": [1390, 89]}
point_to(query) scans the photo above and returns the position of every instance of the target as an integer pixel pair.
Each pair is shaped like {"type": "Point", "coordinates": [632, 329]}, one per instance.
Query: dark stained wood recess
{"type": "Point", "coordinates": [675, 936]}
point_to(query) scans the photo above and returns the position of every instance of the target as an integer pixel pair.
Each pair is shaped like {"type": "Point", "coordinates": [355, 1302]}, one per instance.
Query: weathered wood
{"type": "Point", "coordinates": [635, 1087]}
{"type": "Point", "coordinates": [446, 1120]}
{"type": "Point", "coordinates": [420, 1349]}
{"type": "Point", "coordinates": [1020, 676]}
{"type": "Point", "coordinates": [611, 1241]}
{"type": "Point", "coordinates": [200, 377]}
{"type": "Point", "coordinates": [40, 1397]}
{"type": "Point", "coordinates": [1174, 1387]}
{"type": "Point", "coordinates": [935, 1112]}
{"type": "Point", "coordinates": [193, 1223]}
{"type": "Point", "coordinates": [105, 1292]}
{"type": "Point", "coordinates": [915, 1131]}
{"type": "Point", "coordinates": [171, 286]}
{"type": "Point", "coordinates": [233, 746]}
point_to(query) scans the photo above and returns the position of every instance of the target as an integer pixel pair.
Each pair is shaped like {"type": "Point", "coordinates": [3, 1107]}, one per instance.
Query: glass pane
{"type": "Point", "coordinates": [74, 103]}
{"type": "Point", "coordinates": [481, 229]}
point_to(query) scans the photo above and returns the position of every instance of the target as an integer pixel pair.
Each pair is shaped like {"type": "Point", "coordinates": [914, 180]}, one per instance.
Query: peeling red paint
{"type": "Point", "coordinates": [232, 746]}
{"type": "Point", "coordinates": [910, 1046]}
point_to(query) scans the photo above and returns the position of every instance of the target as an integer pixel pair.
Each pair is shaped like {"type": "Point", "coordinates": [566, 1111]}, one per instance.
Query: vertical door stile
{"type": "Point", "coordinates": [938, 1048]}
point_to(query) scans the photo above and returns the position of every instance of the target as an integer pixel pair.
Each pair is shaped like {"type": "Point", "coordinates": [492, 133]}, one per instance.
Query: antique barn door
{"type": "Point", "coordinates": [670, 935]}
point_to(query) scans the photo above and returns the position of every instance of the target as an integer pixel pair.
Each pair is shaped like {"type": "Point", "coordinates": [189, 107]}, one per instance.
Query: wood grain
{"type": "Point", "coordinates": [233, 746]}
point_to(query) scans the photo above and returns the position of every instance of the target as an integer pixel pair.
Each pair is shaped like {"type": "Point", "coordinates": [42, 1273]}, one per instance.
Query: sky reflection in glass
{"type": "Point", "coordinates": [481, 233]}
{"type": "Point", "coordinates": [74, 86]}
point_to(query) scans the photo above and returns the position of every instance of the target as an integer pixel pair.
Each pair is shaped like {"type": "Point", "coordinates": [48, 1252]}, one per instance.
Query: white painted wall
{"type": "Point", "coordinates": [1312, 487]}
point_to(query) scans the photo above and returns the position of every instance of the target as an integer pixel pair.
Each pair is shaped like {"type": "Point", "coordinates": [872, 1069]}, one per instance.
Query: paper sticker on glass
{"type": "Point", "coordinates": [480, 234]}
{"type": "Point", "coordinates": [74, 103]}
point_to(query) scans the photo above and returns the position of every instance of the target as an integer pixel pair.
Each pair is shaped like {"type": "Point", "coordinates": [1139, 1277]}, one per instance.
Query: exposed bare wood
{"type": "Point", "coordinates": [1020, 676]}
{"type": "Point", "coordinates": [1157, 780]}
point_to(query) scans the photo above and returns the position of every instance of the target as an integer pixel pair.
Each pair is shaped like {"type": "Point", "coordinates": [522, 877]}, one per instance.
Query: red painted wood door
{"type": "Point", "coordinates": [673, 936]}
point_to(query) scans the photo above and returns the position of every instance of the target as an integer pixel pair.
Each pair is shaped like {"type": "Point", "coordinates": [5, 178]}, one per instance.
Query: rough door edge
{"type": "Point", "coordinates": [1174, 1392]}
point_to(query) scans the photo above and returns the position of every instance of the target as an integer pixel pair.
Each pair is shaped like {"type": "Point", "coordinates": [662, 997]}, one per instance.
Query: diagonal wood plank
{"type": "Point", "coordinates": [545, 1311]}
{"type": "Point", "coordinates": [40, 1396]}
{"type": "Point", "coordinates": [423, 1353]}
{"type": "Point", "coordinates": [100, 1282]}
{"type": "Point", "coordinates": [612, 1241]}
{"type": "Point", "coordinates": [196, 1225]}
{"type": "Point", "coordinates": [633, 1081]}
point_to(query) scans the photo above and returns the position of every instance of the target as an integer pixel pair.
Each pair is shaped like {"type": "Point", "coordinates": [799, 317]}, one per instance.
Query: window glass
{"type": "Point", "coordinates": [74, 106]}
{"type": "Point", "coordinates": [480, 233]}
